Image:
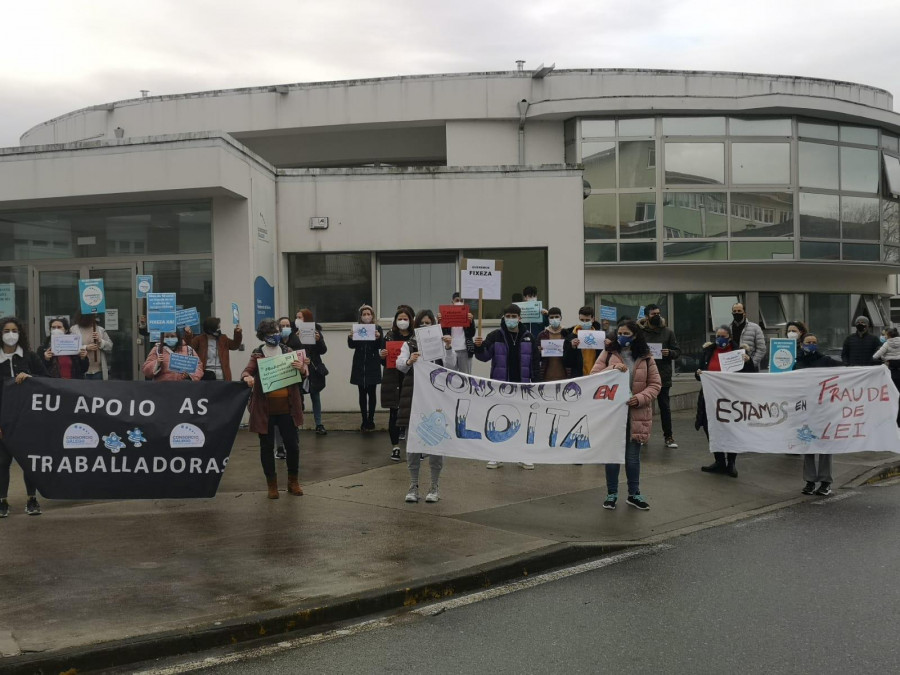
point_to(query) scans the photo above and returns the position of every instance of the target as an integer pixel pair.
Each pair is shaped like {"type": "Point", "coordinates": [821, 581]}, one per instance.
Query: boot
{"type": "Point", "coordinates": [294, 485]}
{"type": "Point", "coordinates": [273, 487]}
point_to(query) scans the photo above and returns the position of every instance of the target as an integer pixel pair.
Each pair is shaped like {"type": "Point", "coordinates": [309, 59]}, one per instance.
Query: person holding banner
{"type": "Point", "coordinates": [156, 367]}
{"type": "Point", "coordinates": [281, 408]}
{"type": "Point", "coordinates": [97, 343]}
{"type": "Point", "coordinates": [212, 348]}
{"type": "Point", "coordinates": [553, 367]}
{"type": "Point", "coordinates": [64, 366]}
{"type": "Point", "coordinates": [17, 363]}
{"type": "Point", "coordinates": [365, 372]}
{"type": "Point", "coordinates": [317, 370]}
{"type": "Point", "coordinates": [809, 355]}
{"type": "Point", "coordinates": [392, 379]}
{"type": "Point", "coordinates": [630, 354]}
{"type": "Point", "coordinates": [709, 360]}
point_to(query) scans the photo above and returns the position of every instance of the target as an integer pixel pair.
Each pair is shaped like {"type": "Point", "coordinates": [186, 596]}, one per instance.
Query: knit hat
{"type": "Point", "coordinates": [861, 319]}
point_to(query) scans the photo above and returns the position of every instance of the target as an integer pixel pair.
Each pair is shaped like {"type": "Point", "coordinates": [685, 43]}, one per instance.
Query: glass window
{"type": "Point", "coordinates": [762, 250]}
{"type": "Point", "coordinates": [829, 319]}
{"type": "Point", "coordinates": [689, 324]}
{"type": "Point", "coordinates": [859, 170]}
{"type": "Point", "coordinates": [600, 217]}
{"type": "Point", "coordinates": [759, 163]}
{"type": "Point", "coordinates": [861, 252]}
{"type": "Point", "coordinates": [640, 126]}
{"type": "Point", "coordinates": [521, 267]}
{"type": "Point", "coordinates": [820, 250]}
{"type": "Point", "coordinates": [890, 142]}
{"type": "Point", "coordinates": [637, 215]}
{"type": "Point", "coordinates": [18, 276]}
{"type": "Point", "coordinates": [694, 214]}
{"type": "Point", "coordinates": [760, 126]}
{"type": "Point", "coordinates": [693, 126]}
{"type": "Point", "coordinates": [892, 172]}
{"type": "Point", "coordinates": [695, 249]}
{"type": "Point", "coordinates": [594, 253]}
{"type": "Point", "coordinates": [771, 310]}
{"type": "Point", "coordinates": [720, 309]}
{"type": "Point", "coordinates": [859, 216]}
{"type": "Point", "coordinates": [193, 282]}
{"type": "Point", "coordinates": [818, 166]}
{"type": "Point", "coordinates": [891, 255]}
{"type": "Point", "coordinates": [761, 214]}
{"type": "Point", "coordinates": [825, 132]}
{"type": "Point", "coordinates": [419, 279]}
{"type": "Point", "coordinates": [637, 252]}
{"type": "Point", "coordinates": [598, 128]}
{"type": "Point", "coordinates": [628, 305]}
{"type": "Point", "coordinates": [890, 222]}
{"type": "Point", "coordinates": [637, 164]}
{"type": "Point", "coordinates": [599, 159]}
{"type": "Point", "coordinates": [819, 215]}
{"type": "Point", "coordinates": [861, 135]}
{"type": "Point", "coordinates": [695, 163]}
{"type": "Point", "coordinates": [332, 285]}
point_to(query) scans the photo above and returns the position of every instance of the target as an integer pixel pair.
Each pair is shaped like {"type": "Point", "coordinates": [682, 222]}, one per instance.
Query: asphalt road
{"type": "Point", "coordinates": [813, 588]}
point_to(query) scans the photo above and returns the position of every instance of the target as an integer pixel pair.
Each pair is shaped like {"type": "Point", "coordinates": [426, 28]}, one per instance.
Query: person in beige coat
{"type": "Point", "coordinates": [630, 354]}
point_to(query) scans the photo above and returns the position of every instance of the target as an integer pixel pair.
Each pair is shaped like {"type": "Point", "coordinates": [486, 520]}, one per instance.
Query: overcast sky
{"type": "Point", "coordinates": [58, 56]}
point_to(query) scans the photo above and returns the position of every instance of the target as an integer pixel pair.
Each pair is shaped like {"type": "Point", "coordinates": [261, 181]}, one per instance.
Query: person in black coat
{"type": "Point", "coordinates": [64, 367]}
{"type": "Point", "coordinates": [365, 372]}
{"type": "Point", "coordinates": [860, 346]}
{"type": "Point", "coordinates": [809, 355]}
{"type": "Point", "coordinates": [18, 363]}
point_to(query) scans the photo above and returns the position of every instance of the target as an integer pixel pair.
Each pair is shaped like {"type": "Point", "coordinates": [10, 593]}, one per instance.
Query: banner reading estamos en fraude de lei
{"type": "Point", "coordinates": [80, 439]}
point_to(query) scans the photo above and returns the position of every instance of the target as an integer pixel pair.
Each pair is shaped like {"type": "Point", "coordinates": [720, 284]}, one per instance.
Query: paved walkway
{"type": "Point", "coordinates": [88, 573]}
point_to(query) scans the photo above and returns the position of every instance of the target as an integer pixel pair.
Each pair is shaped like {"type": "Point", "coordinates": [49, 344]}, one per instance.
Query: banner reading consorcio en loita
{"type": "Point", "coordinates": [79, 439]}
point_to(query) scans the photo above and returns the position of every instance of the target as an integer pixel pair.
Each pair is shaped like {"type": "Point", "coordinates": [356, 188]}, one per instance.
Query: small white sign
{"type": "Point", "coordinates": [732, 362]}
{"type": "Point", "coordinates": [307, 332]}
{"type": "Point", "coordinates": [591, 339]}
{"type": "Point", "coordinates": [551, 348]}
{"type": "Point", "coordinates": [112, 319]}
{"type": "Point", "coordinates": [655, 349]}
{"type": "Point", "coordinates": [65, 345]}
{"type": "Point", "coordinates": [364, 331]}
{"type": "Point", "coordinates": [430, 341]}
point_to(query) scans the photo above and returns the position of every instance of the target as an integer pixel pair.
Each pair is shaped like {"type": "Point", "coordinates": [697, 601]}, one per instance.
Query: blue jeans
{"type": "Point", "coordinates": [632, 469]}
{"type": "Point", "coordinates": [316, 398]}
{"type": "Point", "coordinates": [94, 376]}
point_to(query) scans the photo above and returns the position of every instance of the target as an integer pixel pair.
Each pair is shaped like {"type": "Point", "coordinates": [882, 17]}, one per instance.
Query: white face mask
{"type": "Point", "coordinates": [793, 335]}
{"type": "Point", "coordinates": [555, 323]}
{"type": "Point", "coordinates": [402, 324]}
{"type": "Point", "coordinates": [298, 322]}
{"type": "Point", "coordinates": [366, 318]}
{"type": "Point", "coordinates": [11, 339]}
{"type": "Point", "coordinates": [57, 331]}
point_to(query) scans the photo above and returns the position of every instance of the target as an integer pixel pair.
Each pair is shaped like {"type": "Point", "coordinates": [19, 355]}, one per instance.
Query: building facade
{"type": "Point", "coordinates": [613, 188]}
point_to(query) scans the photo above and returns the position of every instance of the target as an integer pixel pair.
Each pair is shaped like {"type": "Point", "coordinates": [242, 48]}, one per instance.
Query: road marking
{"type": "Point", "coordinates": [430, 610]}
{"type": "Point", "coordinates": [761, 519]}
{"type": "Point", "coordinates": [835, 498]}
{"type": "Point", "coordinates": [887, 483]}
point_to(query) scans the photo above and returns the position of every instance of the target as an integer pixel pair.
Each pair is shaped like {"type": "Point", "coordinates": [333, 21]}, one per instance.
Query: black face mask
{"type": "Point", "coordinates": [860, 328]}
{"type": "Point", "coordinates": [737, 317]}
{"type": "Point", "coordinates": [655, 320]}
{"type": "Point", "coordinates": [215, 333]}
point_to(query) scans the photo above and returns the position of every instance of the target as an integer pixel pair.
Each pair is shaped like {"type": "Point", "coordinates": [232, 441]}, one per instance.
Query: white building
{"type": "Point", "coordinates": [610, 187]}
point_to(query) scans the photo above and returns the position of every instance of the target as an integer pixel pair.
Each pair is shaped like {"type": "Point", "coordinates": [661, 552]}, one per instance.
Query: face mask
{"type": "Point", "coordinates": [422, 325]}
{"type": "Point", "coordinates": [810, 348]}
{"type": "Point", "coordinates": [366, 318]}
{"type": "Point", "coordinates": [286, 331]}
{"type": "Point", "coordinates": [403, 324]}
{"type": "Point", "coordinates": [298, 323]}
{"type": "Point", "coordinates": [587, 325]}
{"type": "Point", "coordinates": [273, 339]}
{"type": "Point", "coordinates": [883, 338]}
{"type": "Point", "coordinates": [11, 339]}
{"type": "Point", "coordinates": [554, 323]}
{"type": "Point", "coordinates": [57, 331]}
{"type": "Point", "coordinates": [722, 342]}
{"type": "Point", "coordinates": [171, 342]}
{"type": "Point", "coordinates": [511, 323]}
{"type": "Point", "coordinates": [793, 335]}
{"type": "Point", "coordinates": [458, 302]}
{"type": "Point", "coordinates": [860, 328]}
{"type": "Point", "coordinates": [625, 340]}
{"type": "Point", "coordinates": [737, 317]}
{"type": "Point", "coordinates": [655, 320]}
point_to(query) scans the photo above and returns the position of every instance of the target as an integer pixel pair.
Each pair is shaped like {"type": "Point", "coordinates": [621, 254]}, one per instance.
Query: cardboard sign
{"type": "Point", "coordinates": [235, 314]}
{"type": "Point", "coordinates": [640, 313]}
{"type": "Point", "coordinates": [144, 285]}
{"type": "Point", "coordinates": [552, 348]}
{"type": "Point", "coordinates": [454, 316]}
{"type": "Point", "coordinates": [732, 362]}
{"type": "Point", "coordinates": [307, 333]}
{"type": "Point", "coordinates": [154, 335]}
{"type": "Point", "coordinates": [591, 339]}
{"type": "Point", "coordinates": [111, 320]}
{"type": "Point", "coordinates": [530, 312]}
{"type": "Point", "coordinates": [480, 275]}
{"type": "Point", "coordinates": [66, 345]}
{"type": "Point", "coordinates": [783, 355]}
{"type": "Point", "coordinates": [608, 313]}
{"type": "Point", "coordinates": [187, 317]}
{"type": "Point", "coordinates": [7, 299]}
{"type": "Point", "coordinates": [655, 350]}
{"type": "Point", "coordinates": [364, 331]}
{"type": "Point", "coordinates": [180, 363]}
{"type": "Point", "coordinates": [276, 372]}
{"type": "Point", "coordinates": [161, 312]}
{"type": "Point", "coordinates": [92, 296]}
{"type": "Point", "coordinates": [394, 347]}
{"type": "Point", "coordinates": [430, 340]}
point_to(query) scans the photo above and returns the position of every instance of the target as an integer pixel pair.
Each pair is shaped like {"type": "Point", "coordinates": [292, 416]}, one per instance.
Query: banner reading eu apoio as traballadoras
{"type": "Point", "coordinates": [579, 421]}
{"type": "Point", "coordinates": [79, 439]}
{"type": "Point", "coordinates": [816, 410]}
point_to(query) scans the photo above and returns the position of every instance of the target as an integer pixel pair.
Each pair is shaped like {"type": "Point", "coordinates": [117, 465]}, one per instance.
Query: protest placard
{"type": "Point", "coordinates": [111, 319]}
{"type": "Point", "coordinates": [530, 312]}
{"type": "Point", "coordinates": [481, 279]}
{"type": "Point", "coordinates": [7, 299]}
{"type": "Point", "coordinates": [307, 332]}
{"type": "Point", "coordinates": [235, 314]}
{"type": "Point", "coordinates": [608, 313]}
{"type": "Point", "coordinates": [276, 372]}
{"type": "Point", "coordinates": [551, 348]}
{"type": "Point", "coordinates": [92, 296]}
{"type": "Point", "coordinates": [430, 341]}
{"type": "Point", "coordinates": [732, 362]}
{"type": "Point", "coordinates": [591, 339]}
{"type": "Point", "coordinates": [161, 312]}
{"type": "Point", "coordinates": [454, 316]}
{"type": "Point", "coordinates": [187, 317]}
{"type": "Point", "coordinates": [655, 349]}
{"type": "Point", "coordinates": [783, 353]}
{"type": "Point", "coordinates": [144, 285]}
{"type": "Point", "coordinates": [363, 331]}
{"type": "Point", "coordinates": [393, 348]}
{"type": "Point", "coordinates": [181, 363]}
{"type": "Point", "coordinates": [66, 345]}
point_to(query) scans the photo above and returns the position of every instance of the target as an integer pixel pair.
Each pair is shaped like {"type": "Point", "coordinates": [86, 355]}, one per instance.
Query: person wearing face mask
{"type": "Point", "coordinates": [581, 361]}
{"type": "Point", "coordinates": [796, 330]}
{"type": "Point", "coordinates": [213, 347]}
{"type": "Point", "coordinates": [156, 367]}
{"type": "Point", "coordinates": [529, 294]}
{"type": "Point", "coordinates": [860, 347]}
{"type": "Point", "coordinates": [513, 355]}
{"type": "Point", "coordinates": [281, 409]}
{"type": "Point", "coordinates": [709, 360]}
{"type": "Point", "coordinates": [63, 367]}
{"type": "Point", "coordinates": [809, 356]}
{"type": "Point", "coordinates": [392, 379]}
{"type": "Point", "coordinates": [554, 367]}
{"type": "Point", "coordinates": [365, 372]}
{"type": "Point", "coordinates": [630, 354]}
{"type": "Point", "coordinates": [97, 343]}
{"type": "Point", "coordinates": [462, 339]}
{"type": "Point", "coordinates": [746, 332]}
{"type": "Point", "coordinates": [17, 363]}
{"type": "Point", "coordinates": [656, 330]}
{"type": "Point", "coordinates": [291, 340]}
{"type": "Point", "coordinates": [317, 370]}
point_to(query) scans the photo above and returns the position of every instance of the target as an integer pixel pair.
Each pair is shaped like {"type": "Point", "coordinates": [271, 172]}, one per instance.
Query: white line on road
{"type": "Point", "coordinates": [887, 483]}
{"type": "Point", "coordinates": [836, 498]}
{"type": "Point", "coordinates": [761, 519]}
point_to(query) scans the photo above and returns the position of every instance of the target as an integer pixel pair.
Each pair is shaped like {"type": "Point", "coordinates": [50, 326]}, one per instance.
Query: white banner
{"type": "Point", "coordinates": [579, 421]}
{"type": "Point", "coordinates": [814, 410]}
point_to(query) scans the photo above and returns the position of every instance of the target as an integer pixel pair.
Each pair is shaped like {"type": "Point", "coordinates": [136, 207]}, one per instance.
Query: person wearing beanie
{"type": "Point", "coordinates": [860, 347]}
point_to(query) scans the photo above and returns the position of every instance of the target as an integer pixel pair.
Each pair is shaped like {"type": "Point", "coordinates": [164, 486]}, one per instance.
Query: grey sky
{"type": "Point", "coordinates": [58, 56]}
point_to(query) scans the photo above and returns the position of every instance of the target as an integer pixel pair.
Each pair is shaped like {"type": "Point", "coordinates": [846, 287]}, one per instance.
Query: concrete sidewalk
{"type": "Point", "coordinates": [143, 575]}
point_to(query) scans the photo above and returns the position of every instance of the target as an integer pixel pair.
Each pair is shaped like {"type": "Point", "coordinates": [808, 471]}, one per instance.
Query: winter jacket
{"type": "Point", "coordinates": [156, 367]}
{"type": "Point", "coordinates": [406, 388]}
{"type": "Point", "coordinates": [700, 420]}
{"type": "Point", "coordinates": [889, 351]}
{"type": "Point", "coordinates": [859, 350]}
{"type": "Point", "coordinates": [579, 359]}
{"type": "Point", "coordinates": [814, 360]}
{"type": "Point", "coordinates": [496, 347]}
{"type": "Point", "coordinates": [750, 335]}
{"type": "Point", "coordinates": [79, 365]}
{"type": "Point", "coordinates": [317, 370]}
{"type": "Point", "coordinates": [666, 336]}
{"type": "Point", "coordinates": [392, 379]}
{"type": "Point", "coordinates": [535, 327]}
{"type": "Point", "coordinates": [645, 385]}
{"type": "Point", "coordinates": [366, 369]}
{"type": "Point", "coordinates": [566, 373]}
{"type": "Point", "coordinates": [224, 345]}
{"type": "Point", "coordinates": [259, 404]}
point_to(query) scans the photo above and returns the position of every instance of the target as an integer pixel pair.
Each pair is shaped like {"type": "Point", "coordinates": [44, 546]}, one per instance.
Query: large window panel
{"type": "Point", "coordinates": [761, 214]}
{"type": "Point", "coordinates": [861, 252]}
{"type": "Point", "coordinates": [859, 170]}
{"type": "Point", "coordinates": [602, 128]}
{"type": "Point", "coordinates": [820, 250]}
{"type": "Point", "coordinates": [860, 135]}
{"type": "Point", "coordinates": [637, 215]}
{"type": "Point", "coordinates": [820, 215]}
{"type": "Point", "coordinates": [890, 142]}
{"type": "Point", "coordinates": [637, 252]}
{"type": "Point", "coordinates": [422, 280]}
{"type": "Point", "coordinates": [761, 163]}
{"type": "Point", "coordinates": [755, 126]}
{"type": "Point", "coordinates": [825, 132]}
{"type": "Point", "coordinates": [521, 267]}
{"type": "Point", "coordinates": [890, 222]}
{"type": "Point", "coordinates": [18, 277]}
{"type": "Point", "coordinates": [600, 253]}
{"type": "Point", "coordinates": [637, 164]}
{"type": "Point", "coordinates": [860, 218]}
{"type": "Point", "coordinates": [638, 126]}
{"type": "Point", "coordinates": [191, 280]}
{"type": "Point", "coordinates": [829, 319]}
{"type": "Point", "coordinates": [695, 214]}
{"type": "Point", "coordinates": [693, 126]}
{"type": "Point", "coordinates": [762, 250]}
{"type": "Point", "coordinates": [695, 249]}
{"type": "Point", "coordinates": [332, 285]}
{"type": "Point", "coordinates": [690, 329]}
{"type": "Point", "coordinates": [818, 166]}
{"type": "Point", "coordinates": [599, 159]}
{"type": "Point", "coordinates": [892, 173]}
{"type": "Point", "coordinates": [695, 163]}
{"type": "Point", "coordinates": [720, 309]}
{"type": "Point", "coordinates": [600, 217]}
{"type": "Point", "coordinates": [629, 304]}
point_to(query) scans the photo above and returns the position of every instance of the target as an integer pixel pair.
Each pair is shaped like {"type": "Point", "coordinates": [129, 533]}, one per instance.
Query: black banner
{"type": "Point", "coordinates": [83, 439]}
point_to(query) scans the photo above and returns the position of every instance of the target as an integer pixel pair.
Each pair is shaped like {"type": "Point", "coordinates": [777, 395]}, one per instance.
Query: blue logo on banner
{"type": "Point", "coordinates": [263, 299]}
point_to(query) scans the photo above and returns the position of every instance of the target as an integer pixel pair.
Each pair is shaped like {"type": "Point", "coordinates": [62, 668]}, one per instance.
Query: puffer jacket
{"type": "Point", "coordinates": [645, 385]}
{"type": "Point", "coordinates": [752, 336]}
{"type": "Point", "coordinates": [392, 379]}
{"type": "Point", "coordinates": [666, 336]}
{"type": "Point", "coordinates": [366, 368]}
{"type": "Point", "coordinates": [495, 349]}
{"type": "Point", "coordinates": [889, 351]}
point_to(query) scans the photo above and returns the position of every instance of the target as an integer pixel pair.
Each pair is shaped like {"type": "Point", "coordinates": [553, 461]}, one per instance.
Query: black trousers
{"type": "Point", "coordinates": [367, 396]}
{"type": "Point", "coordinates": [722, 457]}
{"type": "Point", "coordinates": [665, 411]}
{"type": "Point", "coordinates": [5, 463]}
{"type": "Point", "coordinates": [285, 424]}
{"type": "Point", "coordinates": [393, 429]}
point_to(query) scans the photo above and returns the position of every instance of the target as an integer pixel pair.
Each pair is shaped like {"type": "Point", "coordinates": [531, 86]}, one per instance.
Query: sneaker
{"type": "Point", "coordinates": [320, 430]}
{"type": "Point", "coordinates": [413, 495]}
{"type": "Point", "coordinates": [403, 434]}
{"type": "Point", "coordinates": [610, 502]}
{"type": "Point", "coordinates": [433, 495]}
{"type": "Point", "coordinates": [670, 442]}
{"type": "Point", "coordinates": [824, 490]}
{"type": "Point", "coordinates": [32, 508]}
{"type": "Point", "coordinates": [4, 509]}
{"type": "Point", "coordinates": [395, 455]}
{"type": "Point", "coordinates": [279, 452]}
{"type": "Point", "coordinates": [494, 465]}
{"type": "Point", "coordinates": [528, 466]}
{"type": "Point", "coordinates": [638, 502]}
{"type": "Point", "coordinates": [809, 488]}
